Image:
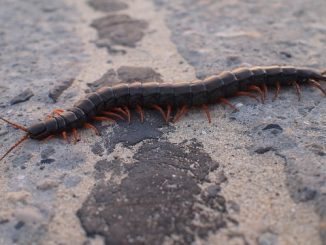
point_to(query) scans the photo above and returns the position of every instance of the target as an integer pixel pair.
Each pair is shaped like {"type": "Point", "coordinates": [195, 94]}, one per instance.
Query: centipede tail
{"type": "Point", "coordinates": [115, 102]}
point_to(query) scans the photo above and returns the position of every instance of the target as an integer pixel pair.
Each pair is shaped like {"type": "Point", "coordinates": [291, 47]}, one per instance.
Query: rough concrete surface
{"type": "Point", "coordinates": [257, 176]}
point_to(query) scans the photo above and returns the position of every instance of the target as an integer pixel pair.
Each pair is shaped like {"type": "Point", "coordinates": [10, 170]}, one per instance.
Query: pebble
{"type": "Point", "coordinates": [273, 126]}
{"type": "Point", "coordinates": [49, 151]}
{"type": "Point", "coordinates": [213, 190]}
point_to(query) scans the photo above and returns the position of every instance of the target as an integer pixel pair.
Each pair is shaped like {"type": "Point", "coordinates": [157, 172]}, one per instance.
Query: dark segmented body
{"type": "Point", "coordinates": [201, 92]}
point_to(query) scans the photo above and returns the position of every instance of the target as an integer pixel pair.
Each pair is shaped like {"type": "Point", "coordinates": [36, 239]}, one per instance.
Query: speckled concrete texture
{"type": "Point", "coordinates": [256, 176]}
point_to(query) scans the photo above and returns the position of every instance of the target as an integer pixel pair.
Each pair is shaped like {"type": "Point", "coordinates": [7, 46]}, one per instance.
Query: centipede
{"type": "Point", "coordinates": [172, 100]}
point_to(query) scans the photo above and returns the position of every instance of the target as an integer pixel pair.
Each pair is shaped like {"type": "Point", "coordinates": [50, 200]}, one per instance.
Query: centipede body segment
{"type": "Point", "coordinates": [116, 102]}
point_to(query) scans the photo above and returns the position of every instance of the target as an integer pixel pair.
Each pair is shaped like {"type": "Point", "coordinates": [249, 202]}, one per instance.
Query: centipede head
{"type": "Point", "coordinates": [21, 140]}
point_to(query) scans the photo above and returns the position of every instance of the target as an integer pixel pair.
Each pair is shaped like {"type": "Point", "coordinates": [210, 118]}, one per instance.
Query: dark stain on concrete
{"type": "Point", "coordinates": [140, 74]}
{"type": "Point", "coordinates": [108, 79]}
{"type": "Point", "coordinates": [159, 199]}
{"type": "Point", "coordinates": [107, 5]}
{"type": "Point", "coordinates": [134, 133]}
{"type": "Point", "coordinates": [22, 97]}
{"type": "Point", "coordinates": [59, 88]}
{"type": "Point", "coordinates": [119, 29]}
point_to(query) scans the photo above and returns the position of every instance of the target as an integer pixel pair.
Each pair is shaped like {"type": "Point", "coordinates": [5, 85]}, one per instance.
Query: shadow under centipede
{"type": "Point", "coordinates": [135, 132]}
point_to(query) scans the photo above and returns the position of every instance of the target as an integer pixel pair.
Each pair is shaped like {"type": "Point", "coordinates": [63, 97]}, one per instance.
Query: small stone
{"type": "Point", "coordinates": [267, 238]}
{"type": "Point", "coordinates": [220, 177]}
{"type": "Point", "coordinates": [19, 225]}
{"type": "Point", "coordinates": [49, 151]}
{"type": "Point", "coordinates": [214, 166]}
{"type": "Point", "coordinates": [263, 150]}
{"type": "Point", "coordinates": [306, 194]}
{"type": "Point", "coordinates": [47, 161]}
{"type": "Point", "coordinates": [3, 221]}
{"type": "Point", "coordinates": [285, 54]}
{"type": "Point", "coordinates": [24, 96]}
{"type": "Point", "coordinates": [273, 126]}
{"type": "Point", "coordinates": [47, 184]}
{"type": "Point", "coordinates": [213, 190]}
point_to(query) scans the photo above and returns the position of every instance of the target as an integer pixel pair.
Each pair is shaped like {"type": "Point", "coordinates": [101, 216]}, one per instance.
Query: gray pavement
{"type": "Point", "coordinates": [257, 176]}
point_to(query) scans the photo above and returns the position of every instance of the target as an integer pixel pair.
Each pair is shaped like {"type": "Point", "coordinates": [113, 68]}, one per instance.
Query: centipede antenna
{"type": "Point", "coordinates": [15, 145]}
{"type": "Point", "coordinates": [15, 125]}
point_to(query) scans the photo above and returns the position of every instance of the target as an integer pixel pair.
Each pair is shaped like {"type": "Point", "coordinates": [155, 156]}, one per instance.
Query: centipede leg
{"type": "Point", "coordinates": [65, 136]}
{"type": "Point", "coordinates": [157, 107]}
{"type": "Point", "coordinates": [140, 111]}
{"type": "Point", "coordinates": [48, 138]}
{"type": "Point", "coordinates": [244, 93]}
{"type": "Point", "coordinates": [297, 89]}
{"type": "Point", "coordinates": [123, 112]}
{"type": "Point", "coordinates": [257, 89]}
{"type": "Point", "coordinates": [92, 127]}
{"type": "Point", "coordinates": [277, 91]}
{"type": "Point", "coordinates": [168, 113]}
{"type": "Point", "coordinates": [265, 90]}
{"type": "Point", "coordinates": [317, 85]}
{"type": "Point", "coordinates": [75, 135]}
{"type": "Point", "coordinates": [184, 109]}
{"type": "Point", "coordinates": [109, 113]}
{"type": "Point", "coordinates": [208, 115]}
{"type": "Point", "coordinates": [226, 102]}
{"type": "Point", "coordinates": [128, 113]}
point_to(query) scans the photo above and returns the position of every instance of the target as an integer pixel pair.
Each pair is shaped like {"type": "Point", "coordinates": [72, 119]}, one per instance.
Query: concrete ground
{"type": "Point", "coordinates": [257, 176]}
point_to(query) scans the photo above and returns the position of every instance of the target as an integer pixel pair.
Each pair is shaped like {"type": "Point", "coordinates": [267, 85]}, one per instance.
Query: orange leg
{"type": "Point", "coordinates": [75, 135]}
{"type": "Point", "coordinates": [58, 111]}
{"type": "Point", "coordinates": [157, 107]}
{"type": "Point", "coordinates": [118, 109]}
{"type": "Point", "coordinates": [265, 90]}
{"type": "Point", "coordinates": [243, 93]}
{"type": "Point", "coordinates": [141, 113]}
{"type": "Point", "coordinates": [226, 102]}
{"type": "Point", "coordinates": [317, 85]}
{"type": "Point", "coordinates": [49, 137]}
{"type": "Point", "coordinates": [180, 113]}
{"type": "Point", "coordinates": [90, 126]}
{"type": "Point", "coordinates": [206, 109]}
{"type": "Point", "coordinates": [103, 119]}
{"type": "Point", "coordinates": [109, 113]}
{"type": "Point", "coordinates": [64, 136]}
{"type": "Point", "coordinates": [278, 89]}
{"type": "Point", "coordinates": [128, 113]}
{"type": "Point", "coordinates": [257, 89]}
{"type": "Point", "coordinates": [298, 89]}
{"type": "Point", "coordinates": [168, 113]}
